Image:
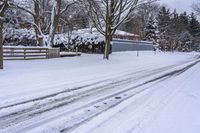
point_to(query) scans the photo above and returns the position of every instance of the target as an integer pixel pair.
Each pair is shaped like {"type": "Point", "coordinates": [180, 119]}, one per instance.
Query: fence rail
{"type": "Point", "coordinates": [13, 53]}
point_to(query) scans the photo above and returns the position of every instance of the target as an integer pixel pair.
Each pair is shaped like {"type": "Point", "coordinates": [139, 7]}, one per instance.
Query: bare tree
{"type": "Point", "coordinates": [56, 13]}
{"type": "Point", "coordinates": [108, 15]}
{"type": "Point", "coordinates": [3, 7]}
{"type": "Point", "coordinates": [36, 14]}
{"type": "Point", "coordinates": [143, 15]}
{"type": "Point", "coordinates": [40, 10]}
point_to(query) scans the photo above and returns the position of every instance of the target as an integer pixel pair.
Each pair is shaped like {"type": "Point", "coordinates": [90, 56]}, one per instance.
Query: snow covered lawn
{"type": "Point", "coordinates": [29, 79]}
{"type": "Point", "coordinates": [52, 95]}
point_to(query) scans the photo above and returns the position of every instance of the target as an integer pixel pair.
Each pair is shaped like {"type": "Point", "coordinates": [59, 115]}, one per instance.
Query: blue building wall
{"type": "Point", "coordinates": [120, 45]}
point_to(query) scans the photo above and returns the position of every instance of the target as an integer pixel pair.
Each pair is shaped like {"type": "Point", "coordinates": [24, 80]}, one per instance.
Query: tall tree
{"type": "Point", "coordinates": [138, 22]}
{"type": "Point", "coordinates": [194, 30]}
{"type": "Point", "coordinates": [174, 31]}
{"type": "Point", "coordinates": [36, 14]}
{"type": "Point", "coordinates": [56, 13]}
{"type": "Point", "coordinates": [194, 26]}
{"type": "Point", "coordinates": [108, 15]}
{"type": "Point", "coordinates": [143, 15]}
{"type": "Point", "coordinates": [3, 7]}
{"type": "Point", "coordinates": [163, 19]}
{"type": "Point", "coordinates": [184, 21]}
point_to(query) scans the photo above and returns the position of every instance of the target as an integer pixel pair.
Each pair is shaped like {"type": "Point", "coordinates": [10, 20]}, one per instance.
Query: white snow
{"type": "Point", "coordinates": [81, 36]}
{"type": "Point", "coordinates": [167, 106]}
{"type": "Point", "coordinates": [44, 76]}
{"type": "Point", "coordinates": [19, 33]}
{"type": "Point", "coordinates": [94, 31]}
{"type": "Point", "coordinates": [172, 106]}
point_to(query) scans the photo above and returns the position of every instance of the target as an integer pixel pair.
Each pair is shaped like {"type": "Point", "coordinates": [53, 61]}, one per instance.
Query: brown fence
{"type": "Point", "coordinates": [14, 53]}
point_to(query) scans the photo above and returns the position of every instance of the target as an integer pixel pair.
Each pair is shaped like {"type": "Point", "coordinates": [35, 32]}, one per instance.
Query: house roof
{"type": "Point", "coordinates": [94, 30]}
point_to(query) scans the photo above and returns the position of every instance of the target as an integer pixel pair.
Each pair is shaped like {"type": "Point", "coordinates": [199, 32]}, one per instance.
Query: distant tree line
{"type": "Point", "coordinates": [178, 31]}
{"type": "Point", "coordinates": [171, 30]}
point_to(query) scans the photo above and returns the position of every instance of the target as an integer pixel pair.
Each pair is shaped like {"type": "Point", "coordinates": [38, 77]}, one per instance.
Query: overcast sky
{"type": "Point", "coordinates": [180, 5]}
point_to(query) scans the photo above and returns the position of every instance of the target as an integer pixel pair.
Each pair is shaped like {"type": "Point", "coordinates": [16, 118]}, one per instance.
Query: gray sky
{"type": "Point", "coordinates": [180, 5]}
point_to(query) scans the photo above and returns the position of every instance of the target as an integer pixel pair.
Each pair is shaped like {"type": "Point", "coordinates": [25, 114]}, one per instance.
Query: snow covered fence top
{"type": "Point", "coordinates": [21, 52]}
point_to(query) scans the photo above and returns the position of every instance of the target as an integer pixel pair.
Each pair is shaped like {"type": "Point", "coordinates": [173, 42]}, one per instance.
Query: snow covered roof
{"type": "Point", "coordinates": [123, 33]}
{"type": "Point", "coordinates": [94, 31]}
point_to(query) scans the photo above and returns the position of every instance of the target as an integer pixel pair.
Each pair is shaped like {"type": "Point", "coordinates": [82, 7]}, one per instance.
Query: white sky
{"type": "Point", "coordinates": [180, 5]}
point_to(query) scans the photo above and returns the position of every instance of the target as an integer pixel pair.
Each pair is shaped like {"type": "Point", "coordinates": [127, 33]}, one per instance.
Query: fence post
{"type": "Point", "coordinates": [76, 50]}
{"type": "Point", "coordinates": [1, 56]}
{"type": "Point", "coordinates": [138, 49]}
{"type": "Point", "coordinates": [24, 54]}
{"type": "Point", "coordinates": [47, 53]}
{"type": "Point", "coordinates": [154, 48]}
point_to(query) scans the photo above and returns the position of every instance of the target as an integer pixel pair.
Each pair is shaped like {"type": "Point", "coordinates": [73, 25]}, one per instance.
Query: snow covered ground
{"type": "Point", "coordinates": [170, 106]}
{"type": "Point", "coordinates": [149, 93]}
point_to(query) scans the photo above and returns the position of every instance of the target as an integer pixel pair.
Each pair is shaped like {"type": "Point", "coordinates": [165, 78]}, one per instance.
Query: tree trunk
{"type": "Point", "coordinates": [55, 16]}
{"type": "Point", "coordinates": [109, 30]}
{"type": "Point", "coordinates": [37, 26]}
{"type": "Point", "coordinates": [107, 46]}
{"type": "Point", "coordinates": [52, 28]}
{"type": "Point", "coordinates": [1, 44]}
{"type": "Point", "coordinates": [39, 36]}
{"type": "Point", "coordinates": [107, 50]}
{"type": "Point", "coordinates": [3, 8]}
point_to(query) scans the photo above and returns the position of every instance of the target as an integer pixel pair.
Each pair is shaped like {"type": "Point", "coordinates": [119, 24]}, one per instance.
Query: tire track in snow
{"type": "Point", "coordinates": [123, 82]}
{"type": "Point", "coordinates": [128, 73]}
{"type": "Point", "coordinates": [120, 94]}
{"type": "Point", "coordinates": [22, 115]}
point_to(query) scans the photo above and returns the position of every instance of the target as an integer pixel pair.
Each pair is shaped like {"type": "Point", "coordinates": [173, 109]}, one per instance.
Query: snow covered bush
{"type": "Point", "coordinates": [85, 42]}
{"type": "Point", "coordinates": [81, 39]}
{"type": "Point", "coordinates": [16, 37]}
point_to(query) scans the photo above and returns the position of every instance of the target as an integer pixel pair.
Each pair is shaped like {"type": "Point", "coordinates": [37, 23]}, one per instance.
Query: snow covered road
{"type": "Point", "coordinates": [65, 103]}
{"type": "Point", "coordinates": [169, 106]}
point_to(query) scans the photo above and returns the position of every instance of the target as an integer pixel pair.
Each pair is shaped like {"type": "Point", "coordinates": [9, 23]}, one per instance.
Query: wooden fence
{"type": "Point", "coordinates": [13, 53]}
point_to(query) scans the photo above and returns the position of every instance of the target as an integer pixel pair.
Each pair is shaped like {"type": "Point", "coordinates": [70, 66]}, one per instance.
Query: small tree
{"type": "Point", "coordinates": [3, 7]}
{"type": "Point", "coordinates": [186, 42]}
{"type": "Point", "coordinates": [151, 30]}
